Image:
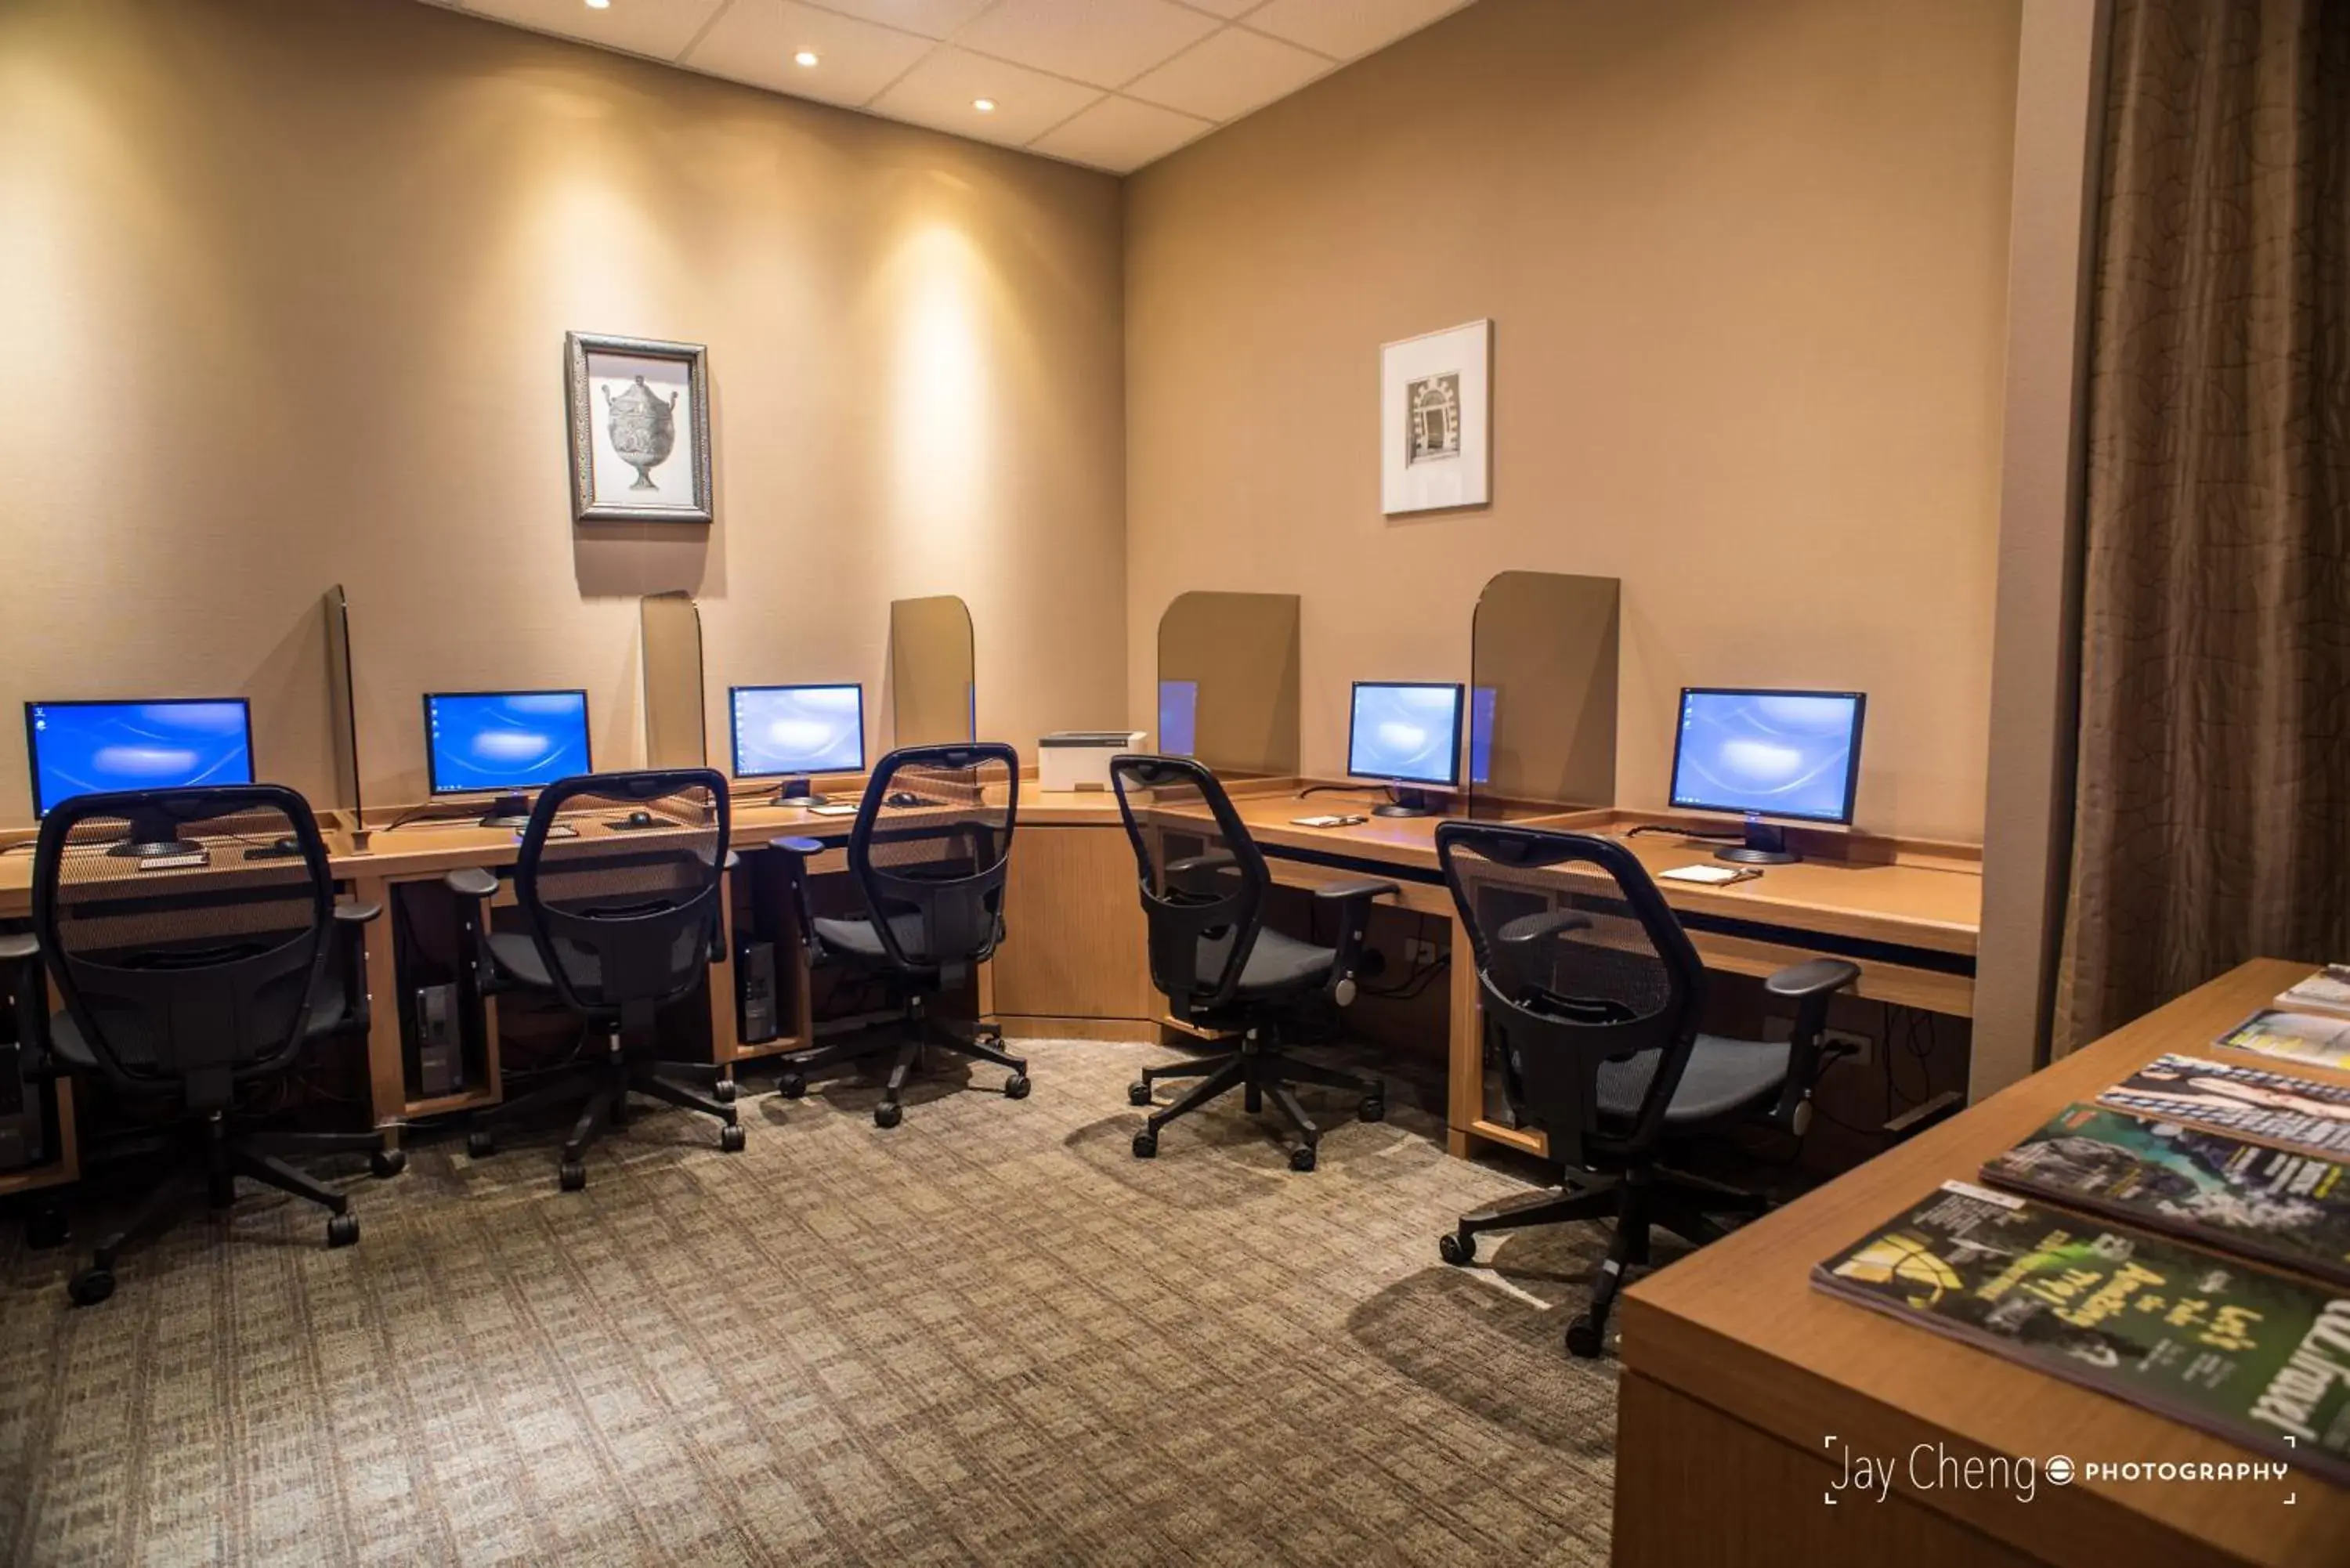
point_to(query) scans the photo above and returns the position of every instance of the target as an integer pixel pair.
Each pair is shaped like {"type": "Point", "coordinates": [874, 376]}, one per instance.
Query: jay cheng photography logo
{"type": "Point", "coordinates": [1862, 1476]}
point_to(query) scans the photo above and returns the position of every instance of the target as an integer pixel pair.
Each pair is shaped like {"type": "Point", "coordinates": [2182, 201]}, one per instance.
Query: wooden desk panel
{"type": "Point", "coordinates": [1739, 1328]}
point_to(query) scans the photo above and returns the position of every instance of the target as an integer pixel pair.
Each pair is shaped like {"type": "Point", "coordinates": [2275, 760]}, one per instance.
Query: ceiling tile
{"type": "Point", "coordinates": [930, 18]}
{"type": "Point", "coordinates": [657, 28]}
{"type": "Point", "coordinates": [1227, 9]}
{"type": "Point", "coordinates": [754, 41]}
{"type": "Point", "coordinates": [939, 93]}
{"type": "Point", "coordinates": [1343, 29]}
{"type": "Point", "coordinates": [1228, 76]}
{"type": "Point", "coordinates": [1119, 134]}
{"type": "Point", "coordinates": [1104, 42]}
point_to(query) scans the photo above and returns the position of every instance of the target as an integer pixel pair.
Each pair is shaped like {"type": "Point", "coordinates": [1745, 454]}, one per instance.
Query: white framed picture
{"type": "Point", "coordinates": [639, 430]}
{"type": "Point", "coordinates": [1436, 394]}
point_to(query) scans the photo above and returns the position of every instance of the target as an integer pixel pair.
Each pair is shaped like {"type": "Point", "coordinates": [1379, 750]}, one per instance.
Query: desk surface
{"type": "Point", "coordinates": [1739, 1328]}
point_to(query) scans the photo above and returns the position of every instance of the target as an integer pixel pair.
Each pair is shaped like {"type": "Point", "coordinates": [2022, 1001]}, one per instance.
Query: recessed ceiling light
{"type": "Point", "coordinates": [806, 56]}
{"type": "Point", "coordinates": [600, 4]}
{"type": "Point", "coordinates": [984, 105]}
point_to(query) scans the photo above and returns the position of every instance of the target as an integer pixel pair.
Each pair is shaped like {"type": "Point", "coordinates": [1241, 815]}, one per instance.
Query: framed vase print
{"type": "Point", "coordinates": [1436, 395]}
{"type": "Point", "coordinates": [639, 430]}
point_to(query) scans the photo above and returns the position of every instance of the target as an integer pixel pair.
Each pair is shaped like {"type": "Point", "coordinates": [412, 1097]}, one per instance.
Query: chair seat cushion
{"type": "Point", "coordinates": [856, 938]}
{"type": "Point", "coordinates": [1276, 964]}
{"type": "Point", "coordinates": [1722, 1076]}
{"type": "Point", "coordinates": [328, 1009]}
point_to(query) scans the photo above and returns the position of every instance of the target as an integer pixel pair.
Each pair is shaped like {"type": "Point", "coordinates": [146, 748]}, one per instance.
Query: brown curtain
{"type": "Point", "coordinates": [2213, 809]}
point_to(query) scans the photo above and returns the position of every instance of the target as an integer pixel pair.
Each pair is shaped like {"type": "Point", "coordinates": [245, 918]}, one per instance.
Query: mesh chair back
{"type": "Point", "coordinates": [1203, 911]}
{"type": "Point", "coordinates": [188, 975]}
{"type": "Point", "coordinates": [933, 835]}
{"type": "Point", "coordinates": [1605, 982]}
{"type": "Point", "coordinates": [624, 918]}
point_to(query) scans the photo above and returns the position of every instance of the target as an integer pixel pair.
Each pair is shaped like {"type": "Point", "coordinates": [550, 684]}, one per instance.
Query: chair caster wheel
{"type": "Point", "coordinates": [1374, 1108]}
{"type": "Point", "coordinates": [571, 1175]}
{"type": "Point", "coordinates": [723, 1091]}
{"type": "Point", "coordinates": [342, 1230]}
{"type": "Point", "coordinates": [1457, 1249]}
{"type": "Point", "coordinates": [387, 1163]}
{"type": "Point", "coordinates": [1302, 1158]}
{"type": "Point", "coordinates": [1137, 1094]}
{"type": "Point", "coordinates": [730, 1138]}
{"type": "Point", "coordinates": [1585, 1338]}
{"type": "Point", "coordinates": [480, 1145]}
{"type": "Point", "coordinates": [46, 1226]}
{"type": "Point", "coordinates": [792, 1085]}
{"type": "Point", "coordinates": [89, 1287]}
{"type": "Point", "coordinates": [1015, 1088]}
{"type": "Point", "coordinates": [1146, 1145]}
{"type": "Point", "coordinates": [889, 1113]}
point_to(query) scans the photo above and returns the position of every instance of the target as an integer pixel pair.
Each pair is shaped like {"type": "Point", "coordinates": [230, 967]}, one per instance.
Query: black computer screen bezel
{"type": "Point", "coordinates": [1680, 729]}
{"type": "Point", "coordinates": [1460, 712]}
{"type": "Point", "coordinates": [735, 732]}
{"type": "Point", "coordinates": [32, 737]}
{"type": "Point", "coordinates": [433, 771]}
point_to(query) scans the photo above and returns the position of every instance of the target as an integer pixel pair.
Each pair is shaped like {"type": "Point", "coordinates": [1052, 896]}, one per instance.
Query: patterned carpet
{"type": "Point", "coordinates": [988, 1337]}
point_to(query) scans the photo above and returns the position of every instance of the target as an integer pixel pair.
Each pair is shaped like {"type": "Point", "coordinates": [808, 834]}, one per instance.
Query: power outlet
{"type": "Point", "coordinates": [1864, 1048]}
{"type": "Point", "coordinates": [1417, 953]}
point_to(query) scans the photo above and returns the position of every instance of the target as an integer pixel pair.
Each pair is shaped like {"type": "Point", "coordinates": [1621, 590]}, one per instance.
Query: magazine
{"type": "Point", "coordinates": [2290, 1210]}
{"type": "Point", "coordinates": [2250, 1355]}
{"type": "Point", "coordinates": [2328, 990]}
{"type": "Point", "coordinates": [2275, 1108]}
{"type": "Point", "coordinates": [2318, 1039]}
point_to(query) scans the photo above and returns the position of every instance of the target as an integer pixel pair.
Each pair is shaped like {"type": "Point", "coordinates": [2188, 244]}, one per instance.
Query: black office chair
{"type": "Point", "coordinates": [927, 854]}
{"type": "Point", "coordinates": [1223, 969]}
{"type": "Point", "coordinates": [1594, 1006]}
{"type": "Point", "coordinates": [192, 978]}
{"type": "Point", "coordinates": [620, 880]}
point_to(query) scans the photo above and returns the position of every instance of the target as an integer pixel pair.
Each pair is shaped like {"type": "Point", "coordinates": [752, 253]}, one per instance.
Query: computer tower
{"type": "Point", "coordinates": [23, 1112]}
{"type": "Point", "coordinates": [440, 1042]}
{"type": "Point", "coordinates": [756, 991]}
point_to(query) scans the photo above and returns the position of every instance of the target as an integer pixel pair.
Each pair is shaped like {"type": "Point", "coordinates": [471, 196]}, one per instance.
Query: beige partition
{"type": "Point", "coordinates": [1230, 661]}
{"type": "Point", "coordinates": [932, 679]}
{"type": "Point", "coordinates": [675, 736]}
{"type": "Point", "coordinates": [342, 717]}
{"type": "Point", "coordinates": [1541, 708]}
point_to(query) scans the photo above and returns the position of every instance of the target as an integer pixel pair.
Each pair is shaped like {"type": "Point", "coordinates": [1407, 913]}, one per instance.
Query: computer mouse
{"type": "Point", "coordinates": [640, 819]}
{"type": "Point", "coordinates": [904, 797]}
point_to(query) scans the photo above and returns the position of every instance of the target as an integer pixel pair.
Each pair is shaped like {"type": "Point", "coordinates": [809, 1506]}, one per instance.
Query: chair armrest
{"type": "Point", "coordinates": [1818, 977]}
{"type": "Point", "coordinates": [21, 947]}
{"type": "Point", "coordinates": [1192, 865]}
{"type": "Point", "coordinates": [352, 912]}
{"type": "Point", "coordinates": [796, 850]}
{"type": "Point", "coordinates": [802, 847]}
{"type": "Point", "coordinates": [1359, 887]}
{"type": "Point", "coordinates": [1520, 934]}
{"type": "Point", "coordinates": [472, 882]}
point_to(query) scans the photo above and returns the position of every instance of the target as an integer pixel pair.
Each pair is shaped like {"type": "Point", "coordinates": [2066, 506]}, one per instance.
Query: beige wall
{"type": "Point", "coordinates": [1747, 267]}
{"type": "Point", "coordinates": [283, 291]}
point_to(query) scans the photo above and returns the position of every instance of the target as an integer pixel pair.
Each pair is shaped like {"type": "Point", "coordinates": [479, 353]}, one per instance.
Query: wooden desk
{"type": "Point", "coordinates": [1909, 916]}
{"type": "Point", "coordinates": [1737, 1371]}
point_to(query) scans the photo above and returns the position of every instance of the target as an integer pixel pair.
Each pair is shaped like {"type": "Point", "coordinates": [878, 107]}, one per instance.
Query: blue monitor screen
{"type": "Point", "coordinates": [89, 748]}
{"type": "Point", "coordinates": [1782, 754]}
{"type": "Point", "coordinates": [505, 741]}
{"type": "Point", "coordinates": [1179, 718]}
{"type": "Point", "coordinates": [1408, 732]}
{"type": "Point", "coordinates": [1483, 700]}
{"type": "Point", "coordinates": [788, 729]}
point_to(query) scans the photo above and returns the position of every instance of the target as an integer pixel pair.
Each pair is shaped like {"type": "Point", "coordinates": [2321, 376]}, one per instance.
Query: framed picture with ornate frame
{"type": "Point", "coordinates": [1436, 400]}
{"type": "Point", "coordinates": [639, 430]}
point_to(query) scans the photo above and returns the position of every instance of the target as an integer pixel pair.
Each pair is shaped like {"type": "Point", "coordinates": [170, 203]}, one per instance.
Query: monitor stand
{"type": "Point", "coordinates": [1766, 845]}
{"type": "Point", "coordinates": [800, 791]}
{"type": "Point", "coordinates": [507, 810]}
{"type": "Point", "coordinates": [1406, 803]}
{"type": "Point", "coordinates": [153, 834]}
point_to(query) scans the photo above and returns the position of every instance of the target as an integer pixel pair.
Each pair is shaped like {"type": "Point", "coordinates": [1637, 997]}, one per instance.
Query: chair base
{"type": "Point", "coordinates": [604, 1088]}
{"type": "Point", "coordinates": [1261, 1072]}
{"type": "Point", "coordinates": [984, 1043]}
{"type": "Point", "coordinates": [1638, 1200]}
{"type": "Point", "coordinates": [226, 1157]}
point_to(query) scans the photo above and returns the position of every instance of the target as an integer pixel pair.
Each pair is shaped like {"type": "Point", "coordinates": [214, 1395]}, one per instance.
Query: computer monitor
{"type": "Point", "coordinates": [506, 744]}
{"type": "Point", "coordinates": [1406, 733]}
{"type": "Point", "coordinates": [791, 731]}
{"type": "Point", "coordinates": [1179, 718]}
{"type": "Point", "coordinates": [92, 748]}
{"type": "Point", "coordinates": [1775, 754]}
{"type": "Point", "coordinates": [1483, 700]}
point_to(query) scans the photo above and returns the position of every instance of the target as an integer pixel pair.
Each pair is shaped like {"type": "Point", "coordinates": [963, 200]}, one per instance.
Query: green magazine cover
{"type": "Point", "coordinates": [2288, 1209]}
{"type": "Point", "coordinates": [2257, 1357]}
{"type": "Point", "coordinates": [2220, 1097]}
